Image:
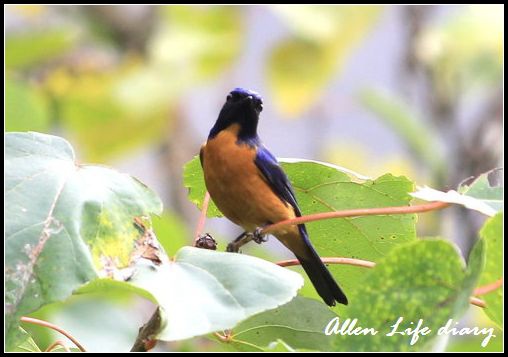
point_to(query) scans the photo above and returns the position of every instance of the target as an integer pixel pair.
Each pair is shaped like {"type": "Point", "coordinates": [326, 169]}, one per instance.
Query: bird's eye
{"type": "Point", "coordinates": [228, 98]}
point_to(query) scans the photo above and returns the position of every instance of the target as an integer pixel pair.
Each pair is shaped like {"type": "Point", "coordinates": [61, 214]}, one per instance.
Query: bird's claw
{"type": "Point", "coordinates": [258, 236]}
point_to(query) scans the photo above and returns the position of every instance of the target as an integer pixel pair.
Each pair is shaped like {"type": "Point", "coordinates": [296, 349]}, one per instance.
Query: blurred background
{"type": "Point", "coordinates": [410, 90]}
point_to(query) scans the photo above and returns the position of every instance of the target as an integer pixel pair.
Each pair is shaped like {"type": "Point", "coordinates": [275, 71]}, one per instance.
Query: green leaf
{"type": "Point", "coordinates": [487, 188]}
{"type": "Point", "coordinates": [480, 195]}
{"type": "Point", "coordinates": [194, 182]}
{"type": "Point", "coordinates": [101, 322]}
{"type": "Point", "coordinates": [299, 324]}
{"type": "Point", "coordinates": [25, 107]}
{"type": "Point", "coordinates": [321, 187]}
{"type": "Point", "coordinates": [27, 344]}
{"type": "Point", "coordinates": [67, 223]}
{"type": "Point", "coordinates": [424, 280]}
{"type": "Point", "coordinates": [206, 291]}
{"type": "Point", "coordinates": [492, 234]}
{"type": "Point", "coordinates": [300, 67]}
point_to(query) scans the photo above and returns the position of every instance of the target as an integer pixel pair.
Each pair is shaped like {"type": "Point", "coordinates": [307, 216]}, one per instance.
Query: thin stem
{"type": "Point", "coordinates": [478, 302]}
{"type": "Point", "coordinates": [225, 337]}
{"type": "Point", "coordinates": [485, 289]}
{"type": "Point", "coordinates": [356, 213]}
{"type": "Point", "coordinates": [57, 343]}
{"type": "Point", "coordinates": [202, 217]}
{"type": "Point", "coordinates": [332, 260]}
{"type": "Point", "coordinates": [31, 320]}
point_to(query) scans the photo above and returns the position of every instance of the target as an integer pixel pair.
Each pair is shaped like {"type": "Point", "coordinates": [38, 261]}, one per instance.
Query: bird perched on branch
{"type": "Point", "coordinates": [250, 188]}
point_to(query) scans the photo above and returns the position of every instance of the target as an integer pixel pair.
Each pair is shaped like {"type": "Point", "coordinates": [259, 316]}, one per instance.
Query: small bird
{"type": "Point", "coordinates": [250, 188]}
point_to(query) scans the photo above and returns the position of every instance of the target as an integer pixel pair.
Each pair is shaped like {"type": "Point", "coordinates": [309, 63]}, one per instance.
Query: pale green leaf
{"type": "Point", "coordinates": [480, 195]}
{"type": "Point", "coordinates": [206, 291]}
{"type": "Point", "coordinates": [80, 216]}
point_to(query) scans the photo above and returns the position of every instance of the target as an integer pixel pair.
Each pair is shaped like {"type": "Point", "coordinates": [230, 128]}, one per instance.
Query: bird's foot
{"type": "Point", "coordinates": [258, 236]}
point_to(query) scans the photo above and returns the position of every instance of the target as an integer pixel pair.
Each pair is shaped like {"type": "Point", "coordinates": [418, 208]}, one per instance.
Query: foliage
{"type": "Point", "coordinates": [95, 223]}
{"type": "Point", "coordinates": [86, 258]}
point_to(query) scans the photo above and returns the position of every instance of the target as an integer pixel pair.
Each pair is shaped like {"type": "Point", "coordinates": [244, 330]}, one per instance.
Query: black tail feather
{"type": "Point", "coordinates": [320, 276]}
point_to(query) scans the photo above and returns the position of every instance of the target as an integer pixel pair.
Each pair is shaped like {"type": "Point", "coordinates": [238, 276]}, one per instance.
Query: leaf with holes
{"type": "Point", "coordinates": [425, 280]}
{"type": "Point", "coordinates": [66, 223]}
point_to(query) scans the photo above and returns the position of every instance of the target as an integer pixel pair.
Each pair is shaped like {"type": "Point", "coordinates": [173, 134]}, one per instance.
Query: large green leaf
{"type": "Point", "coordinates": [321, 188]}
{"type": "Point", "coordinates": [299, 323]}
{"type": "Point", "coordinates": [424, 280]}
{"type": "Point", "coordinates": [492, 234]}
{"type": "Point", "coordinates": [206, 291]}
{"type": "Point", "coordinates": [201, 291]}
{"type": "Point", "coordinates": [66, 223]}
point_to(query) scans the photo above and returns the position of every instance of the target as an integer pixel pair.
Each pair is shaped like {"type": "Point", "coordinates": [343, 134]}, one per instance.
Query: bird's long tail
{"type": "Point", "coordinates": [319, 274]}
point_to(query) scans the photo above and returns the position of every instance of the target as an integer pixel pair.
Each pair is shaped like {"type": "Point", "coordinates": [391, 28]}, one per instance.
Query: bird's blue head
{"type": "Point", "coordinates": [242, 107]}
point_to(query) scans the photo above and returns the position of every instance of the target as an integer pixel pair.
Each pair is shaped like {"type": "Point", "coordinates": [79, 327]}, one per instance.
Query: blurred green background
{"type": "Point", "coordinates": [412, 90]}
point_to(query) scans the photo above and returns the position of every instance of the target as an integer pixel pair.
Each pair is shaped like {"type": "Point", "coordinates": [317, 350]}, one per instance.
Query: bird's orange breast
{"type": "Point", "coordinates": [236, 185]}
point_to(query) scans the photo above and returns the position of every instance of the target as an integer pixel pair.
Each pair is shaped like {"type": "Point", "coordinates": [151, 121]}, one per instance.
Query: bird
{"type": "Point", "coordinates": [247, 184]}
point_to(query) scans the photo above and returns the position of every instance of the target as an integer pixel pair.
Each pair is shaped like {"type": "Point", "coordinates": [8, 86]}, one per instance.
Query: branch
{"type": "Point", "coordinates": [485, 289]}
{"type": "Point", "coordinates": [31, 320]}
{"type": "Point", "coordinates": [145, 340]}
{"type": "Point", "coordinates": [202, 218]}
{"type": "Point", "coordinates": [433, 206]}
{"type": "Point", "coordinates": [478, 302]}
{"type": "Point", "coordinates": [332, 260]}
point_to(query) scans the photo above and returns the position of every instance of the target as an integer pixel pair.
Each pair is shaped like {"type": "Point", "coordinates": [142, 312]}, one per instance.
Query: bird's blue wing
{"type": "Point", "coordinates": [276, 178]}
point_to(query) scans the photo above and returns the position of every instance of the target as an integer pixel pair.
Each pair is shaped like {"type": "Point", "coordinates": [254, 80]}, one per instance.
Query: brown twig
{"type": "Point", "coordinates": [145, 340]}
{"type": "Point", "coordinates": [485, 289]}
{"type": "Point", "coordinates": [332, 260]}
{"type": "Point", "coordinates": [225, 337]}
{"type": "Point", "coordinates": [356, 213]}
{"type": "Point", "coordinates": [478, 302]}
{"type": "Point", "coordinates": [31, 320]}
{"type": "Point", "coordinates": [202, 217]}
